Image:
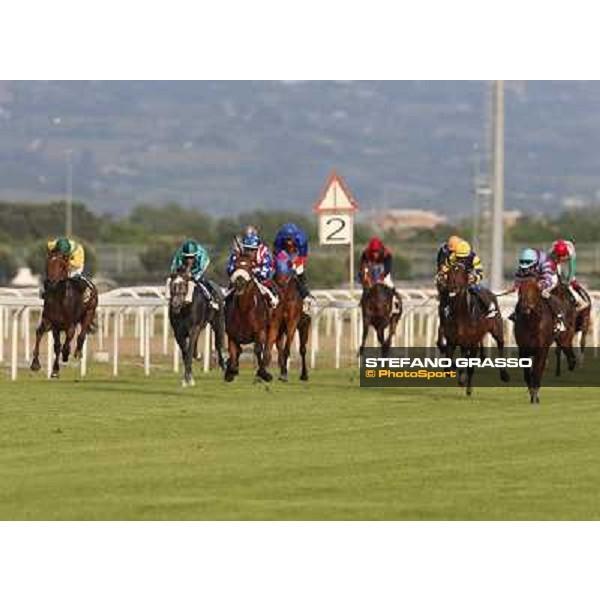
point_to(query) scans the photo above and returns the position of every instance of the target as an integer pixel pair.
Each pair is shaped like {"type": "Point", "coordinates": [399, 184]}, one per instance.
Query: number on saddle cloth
{"type": "Point", "coordinates": [377, 273]}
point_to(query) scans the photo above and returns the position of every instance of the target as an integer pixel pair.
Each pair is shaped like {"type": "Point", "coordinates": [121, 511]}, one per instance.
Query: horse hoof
{"type": "Point", "coordinates": [229, 376]}
{"type": "Point", "coordinates": [504, 376]}
{"type": "Point", "coordinates": [192, 382]}
{"type": "Point", "coordinates": [469, 391]}
{"type": "Point", "coordinates": [265, 376]}
{"type": "Point", "coordinates": [35, 365]}
{"type": "Point", "coordinates": [284, 378]}
{"type": "Point", "coordinates": [304, 377]}
{"type": "Point", "coordinates": [183, 383]}
{"type": "Point", "coordinates": [77, 355]}
{"type": "Point", "coordinates": [55, 375]}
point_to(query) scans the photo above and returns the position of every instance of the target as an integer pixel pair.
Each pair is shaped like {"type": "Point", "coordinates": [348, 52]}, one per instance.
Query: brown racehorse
{"type": "Point", "coordinates": [534, 333]}
{"type": "Point", "coordinates": [376, 305]}
{"type": "Point", "coordinates": [564, 341]}
{"type": "Point", "coordinates": [466, 325]}
{"type": "Point", "coordinates": [246, 318]}
{"type": "Point", "coordinates": [64, 309]}
{"type": "Point", "coordinates": [287, 318]}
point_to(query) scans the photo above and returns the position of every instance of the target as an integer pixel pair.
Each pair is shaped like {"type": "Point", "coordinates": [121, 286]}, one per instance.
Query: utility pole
{"type": "Point", "coordinates": [497, 266]}
{"type": "Point", "coordinates": [69, 190]}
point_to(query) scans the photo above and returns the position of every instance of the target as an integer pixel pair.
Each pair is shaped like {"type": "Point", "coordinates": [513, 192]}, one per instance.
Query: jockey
{"type": "Point", "coordinates": [263, 269]}
{"type": "Point", "coordinates": [563, 255]}
{"type": "Point", "coordinates": [376, 254]}
{"type": "Point", "coordinates": [291, 245]}
{"type": "Point", "coordinates": [446, 249]}
{"type": "Point", "coordinates": [191, 254]}
{"type": "Point", "coordinates": [465, 255]}
{"type": "Point", "coordinates": [76, 254]}
{"type": "Point", "coordinates": [535, 263]}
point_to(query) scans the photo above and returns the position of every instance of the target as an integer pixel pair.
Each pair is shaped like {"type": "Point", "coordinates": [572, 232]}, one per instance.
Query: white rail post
{"type": "Point", "coordinates": [146, 340]}
{"type": "Point", "coordinates": [175, 356]}
{"type": "Point", "coordinates": [26, 334]}
{"type": "Point", "coordinates": [314, 340]}
{"type": "Point", "coordinates": [101, 316]}
{"type": "Point", "coordinates": [15, 341]}
{"type": "Point", "coordinates": [116, 331]}
{"type": "Point", "coordinates": [83, 363]}
{"type": "Point", "coordinates": [165, 330]}
{"type": "Point", "coordinates": [141, 320]}
{"type": "Point", "coordinates": [338, 336]}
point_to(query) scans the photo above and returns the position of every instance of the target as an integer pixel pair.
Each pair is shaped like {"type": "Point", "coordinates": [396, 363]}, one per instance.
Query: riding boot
{"type": "Point", "coordinates": [307, 297]}
{"type": "Point", "coordinates": [580, 302]}
{"type": "Point", "coordinates": [209, 292]}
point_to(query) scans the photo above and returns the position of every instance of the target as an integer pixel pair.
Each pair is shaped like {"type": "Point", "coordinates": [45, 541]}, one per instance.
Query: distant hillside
{"type": "Point", "coordinates": [231, 146]}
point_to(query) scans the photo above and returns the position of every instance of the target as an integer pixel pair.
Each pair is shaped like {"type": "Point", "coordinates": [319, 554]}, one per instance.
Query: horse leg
{"type": "Point", "coordinates": [86, 326]}
{"type": "Point", "coordinates": [233, 364]}
{"type": "Point", "coordinates": [57, 347]}
{"type": "Point", "coordinates": [557, 352]}
{"type": "Point", "coordinates": [259, 352]}
{"type": "Point", "coordinates": [218, 327]}
{"type": "Point", "coordinates": [524, 353]}
{"type": "Point", "coordinates": [392, 330]}
{"type": "Point", "coordinates": [381, 340]}
{"type": "Point", "coordinates": [303, 331]}
{"type": "Point", "coordinates": [272, 338]}
{"type": "Point", "coordinates": [282, 358]}
{"type": "Point", "coordinates": [66, 349]}
{"type": "Point", "coordinates": [181, 338]}
{"type": "Point", "coordinates": [537, 372]}
{"type": "Point", "coordinates": [42, 328]}
{"type": "Point", "coordinates": [497, 332]}
{"type": "Point", "coordinates": [189, 357]}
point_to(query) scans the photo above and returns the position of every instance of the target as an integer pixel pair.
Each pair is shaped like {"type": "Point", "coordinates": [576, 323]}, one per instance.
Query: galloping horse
{"type": "Point", "coordinates": [286, 319]}
{"type": "Point", "coordinates": [564, 341]}
{"type": "Point", "coordinates": [467, 325]}
{"type": "Point", "coordinates": [246, 318]}
{"type": "Point", "coordinates": [534, 333]}
{"type": "Point", "coordinates": [188, 320]}
{"type": "Point", "coordinates": [377, 303]}
{"type": "Point", "coordinates": [67, 303]}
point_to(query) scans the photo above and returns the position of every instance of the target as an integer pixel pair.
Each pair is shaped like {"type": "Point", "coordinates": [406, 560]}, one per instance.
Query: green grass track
{"type": "Point", "coordinates": [137, 448]}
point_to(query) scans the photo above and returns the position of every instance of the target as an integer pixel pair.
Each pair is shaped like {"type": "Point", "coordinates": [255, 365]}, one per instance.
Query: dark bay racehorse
{"type": "Point", "coordinates": [534, 333]}
{"type": "Point", "coordinates": [564, 340]}
{"type": "Point", "coordinates": [467, 325]}
{"type": "Point", "coordinates": [287, 318]}
{"type": "Point", "coordinates": [67, 304]}
{"type": "Point", "coordinates": [188, 320]}
{"type": "Point", "coordinates": [246, 318]}
{"type": "Point", "coordinates": [376, 305]}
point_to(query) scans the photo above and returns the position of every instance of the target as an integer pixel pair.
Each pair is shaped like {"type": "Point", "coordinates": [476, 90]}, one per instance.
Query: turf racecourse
{"type": "Point", "coordinates": [137, 448]}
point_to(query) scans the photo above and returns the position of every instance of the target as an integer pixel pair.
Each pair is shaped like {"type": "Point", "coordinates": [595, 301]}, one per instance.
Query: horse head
{"type": "Point", "coordinates": [457, 279]}
{"type": "Point", "coordinates": [242, 273]}
{"type": "Point", "coordinates": [529, 295]}
{"type": "Point", "coordinates": [57, 269]}
{"type": "Point", "coordinates": [178, 286]}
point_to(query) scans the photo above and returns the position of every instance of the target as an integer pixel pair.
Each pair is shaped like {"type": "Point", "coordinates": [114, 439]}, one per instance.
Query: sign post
{"type": "Point", "coordinates": [336, 208]}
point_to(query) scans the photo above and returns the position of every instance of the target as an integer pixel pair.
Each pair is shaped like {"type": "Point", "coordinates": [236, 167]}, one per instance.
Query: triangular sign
{"type": "Point", "coordinates": [336, 197]}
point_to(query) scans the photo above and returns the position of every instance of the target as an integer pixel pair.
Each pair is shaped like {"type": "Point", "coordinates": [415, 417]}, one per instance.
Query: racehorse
{"type": "Point", "coordinates": [67, 304]}
{"type": "Point", "coordinates": [287, 318]}
{"type": "Point", "coordinates": [467, 325]}
{"type": "Point", "coordinates": [246, 318]}
{"type": "Point", "coordinates": [534, 334]}
{"type": "Point", "coordinates": [377, 303]}
{"type": "Point", "coordinates": [188, 320]}
{"type": "Point", "coordinates": [570, 319]}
